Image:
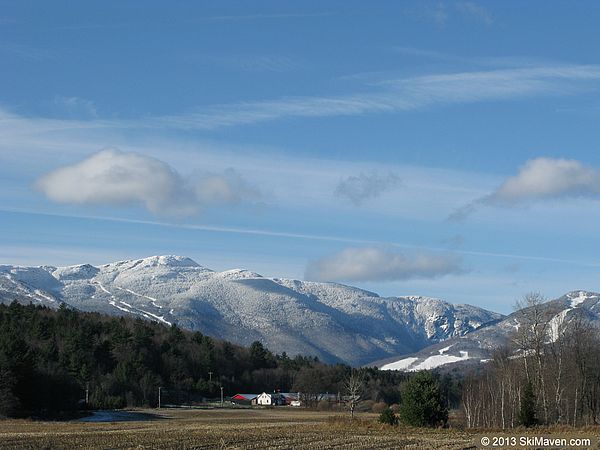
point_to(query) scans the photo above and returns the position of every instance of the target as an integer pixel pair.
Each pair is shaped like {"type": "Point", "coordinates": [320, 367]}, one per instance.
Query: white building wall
{"type": "Point", "coordinates": [264, 399]}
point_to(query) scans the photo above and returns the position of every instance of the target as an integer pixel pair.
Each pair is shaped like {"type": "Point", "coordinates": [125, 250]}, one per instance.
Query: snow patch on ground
{"type": "Point", "coordinates": [577, 298]}
{"type": "Point", "coordinates": [403, 364]}
{"type": "Point", "coordinates": [517, 325]}
{"type": "Point", "coordinates": [440, 360]}
{"type": "Point", "coordinates": [444, 350]}
{"type": "Point", "coordinates": [47, 297]}
{"type": "Point", "coordinates": [556, 325]}
{"type": "Point", "coordinates": [432, 362]}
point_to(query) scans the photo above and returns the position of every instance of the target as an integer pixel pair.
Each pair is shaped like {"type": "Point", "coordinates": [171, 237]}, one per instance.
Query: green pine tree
{"type": "Point", "coordinates": [527, 413]}
{"type": "Point", "coordinates": [422, 402]}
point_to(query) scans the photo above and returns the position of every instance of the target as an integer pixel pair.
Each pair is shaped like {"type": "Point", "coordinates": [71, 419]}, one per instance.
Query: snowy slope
{"type": "Point", "coordinates": [478, 346]}
{"type": "Point", "coordinates": [332, 321]}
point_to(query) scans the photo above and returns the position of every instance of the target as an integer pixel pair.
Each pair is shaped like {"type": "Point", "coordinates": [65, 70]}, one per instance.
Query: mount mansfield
{"type": "Point", "coordinates": [334, 322]}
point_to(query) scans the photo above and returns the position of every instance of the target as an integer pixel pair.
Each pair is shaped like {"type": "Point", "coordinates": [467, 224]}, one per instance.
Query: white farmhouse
{"type": "Point", "coordinates": [265, 399]}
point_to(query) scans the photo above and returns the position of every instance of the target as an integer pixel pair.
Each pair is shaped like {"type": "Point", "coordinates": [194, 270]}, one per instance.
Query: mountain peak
{"type": "Point", "coordinates": [237, 274]}
{"type": "Point", "coordinates": [158, 260]}
{"type": "Point", "coordinates": [76, 272]}
{"type": "Point", "coordinates": [578, 297]}
{"type": "Point", "coordinates": [171, 260]}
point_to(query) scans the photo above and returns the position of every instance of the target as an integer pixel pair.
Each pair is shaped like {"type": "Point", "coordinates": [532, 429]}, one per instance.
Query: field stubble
{"type": "Point", "coordinates": [281, 428]}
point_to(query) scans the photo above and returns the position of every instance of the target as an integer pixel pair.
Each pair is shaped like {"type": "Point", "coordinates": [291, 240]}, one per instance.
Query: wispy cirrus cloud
{"type": "Point", "coordinates": [394, 95]}
{"type": "Point", "coordinates": [389, 96]}
{"type": "Point", "coordinates": [540, 179]}
{"type": "Point", "coordinates": [76, 105]}
{"type": "Point", "coordinates": [440, 13]}
{"type": "Point", "coordinates": [497, 62]}
{"type": "Point", "coordinates": [116, 178]}
{"type": "Point", "coordinates": [259, 16]}
{"type": "Point", "coordinates": [250, 62]}
{"type": "Point", "coordinates": [475, 11]}
{"type": "Point", "coordinates": [25, 52]}
{"type": "Point", "coordinates": [379, 264]}
{"type": "Point", "coordinates": [215, 18]}
{"type": "Point", "coordinates": [366, 186]}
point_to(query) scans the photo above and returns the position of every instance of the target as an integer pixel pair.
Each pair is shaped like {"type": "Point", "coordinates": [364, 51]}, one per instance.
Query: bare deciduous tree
{"type": "Point", "coordinates": [353, 387]}
{"type": "Point", "coordinates": [532, 337]}
{"type": "Point", "coordinates": [558, 354]}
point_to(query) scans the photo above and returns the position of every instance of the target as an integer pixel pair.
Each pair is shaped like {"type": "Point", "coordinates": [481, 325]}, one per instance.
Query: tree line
{"type": "Point", "coordinates": [51, 360]}
{"type": "Point", "coordinates": [548, 374]}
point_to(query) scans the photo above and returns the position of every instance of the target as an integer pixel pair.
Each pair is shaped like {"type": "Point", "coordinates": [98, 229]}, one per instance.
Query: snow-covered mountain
{"type": "Point", "coordinates": [332, 321]}
{"type": "Point", "coordinates": [478, 346]}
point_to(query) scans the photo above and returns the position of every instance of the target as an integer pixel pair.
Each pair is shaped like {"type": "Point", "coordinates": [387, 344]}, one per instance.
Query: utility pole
{"type": "Point", "coordinates": [221, 396]}
{"type": "Point", "coordinates": [159, 389]}
{"type": "Point", "coordinates": [210, 376]}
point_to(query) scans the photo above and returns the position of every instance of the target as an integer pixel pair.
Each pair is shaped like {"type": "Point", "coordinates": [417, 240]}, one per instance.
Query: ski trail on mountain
{"type": "Point", "coordinates": [136, 310]}
{"type": "Point", "coordinates": [152, 299]}
{"type": "Point", "coordinates": [38, 293]}
{"type": "Point", "coordinates": [47, 297]}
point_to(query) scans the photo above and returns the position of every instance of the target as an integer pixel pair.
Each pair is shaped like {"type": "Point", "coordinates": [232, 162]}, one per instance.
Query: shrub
{"type": "Point", "coordinates": [388, 417]}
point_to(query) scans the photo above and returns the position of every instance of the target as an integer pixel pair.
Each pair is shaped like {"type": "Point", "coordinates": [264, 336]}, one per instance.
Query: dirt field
{"type": "Point", "coordinates": [229, 429]}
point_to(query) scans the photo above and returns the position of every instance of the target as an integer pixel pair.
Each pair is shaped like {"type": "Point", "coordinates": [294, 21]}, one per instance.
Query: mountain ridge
{"type": "Point", "coordinates": [336, 322]}
{"type": "Point", "coordinates": [478, 346]}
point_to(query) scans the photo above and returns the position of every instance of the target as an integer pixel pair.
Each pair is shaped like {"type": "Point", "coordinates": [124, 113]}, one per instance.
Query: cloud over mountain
{"type": "Point", "coordinates": [377, 264]}
{"type": "Point", "coordinates": [117, 178]}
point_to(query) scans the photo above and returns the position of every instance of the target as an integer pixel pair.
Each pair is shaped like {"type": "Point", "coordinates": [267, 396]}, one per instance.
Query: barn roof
{"type": "Point", "coordinates": [245, 396]}
{"type": "Point", "coordinates": [290, 394]}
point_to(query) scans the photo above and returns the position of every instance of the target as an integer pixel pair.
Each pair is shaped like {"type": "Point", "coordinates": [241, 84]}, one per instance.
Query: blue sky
{"type": "Point", "coordinates": [446, 149]}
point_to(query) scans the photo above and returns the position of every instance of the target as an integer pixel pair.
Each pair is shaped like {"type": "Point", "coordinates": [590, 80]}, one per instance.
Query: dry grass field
{"type": "Point", "coordinates": [229, 429]}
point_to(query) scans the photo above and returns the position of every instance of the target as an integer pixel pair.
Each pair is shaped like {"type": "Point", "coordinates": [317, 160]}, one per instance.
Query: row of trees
{"type": "Point", "coordinates": [49, 358]}
{"type": "Point", "coordinates": [549, 374]}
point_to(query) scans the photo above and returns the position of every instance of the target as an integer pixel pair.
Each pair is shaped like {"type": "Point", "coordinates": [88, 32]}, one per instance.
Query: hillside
{"type": "Point", "coordinates": [49, 358]}
{"type": "Point", "coordinates": [334, 322]}
{"type": "Point", "coordinates": [479, 345]}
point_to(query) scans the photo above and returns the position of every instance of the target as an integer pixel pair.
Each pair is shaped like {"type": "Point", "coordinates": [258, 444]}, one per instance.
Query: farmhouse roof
{"type": "Point", "coordinates": [245, 396]}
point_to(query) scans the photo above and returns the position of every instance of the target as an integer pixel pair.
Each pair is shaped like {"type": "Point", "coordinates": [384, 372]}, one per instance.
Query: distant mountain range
{"type": "Point", "coordinates": [334, 322]}
{"type": "Point", "coordinates": [478, 346]}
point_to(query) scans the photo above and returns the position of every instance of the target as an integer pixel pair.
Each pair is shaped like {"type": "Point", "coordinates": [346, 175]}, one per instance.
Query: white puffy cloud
{"type": "Point", "coordinates": [540, 179]}
{"type": "Point", "coordinates": [543, 178]}
{"type": "Point", "coordinates": [227, 187]}
{"type": "Point", "coordinates": [377, 264]}
{"type": "Point", "coordinates": [113, 177]}
{"type": "Point", "coordinates": [359, 188]}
